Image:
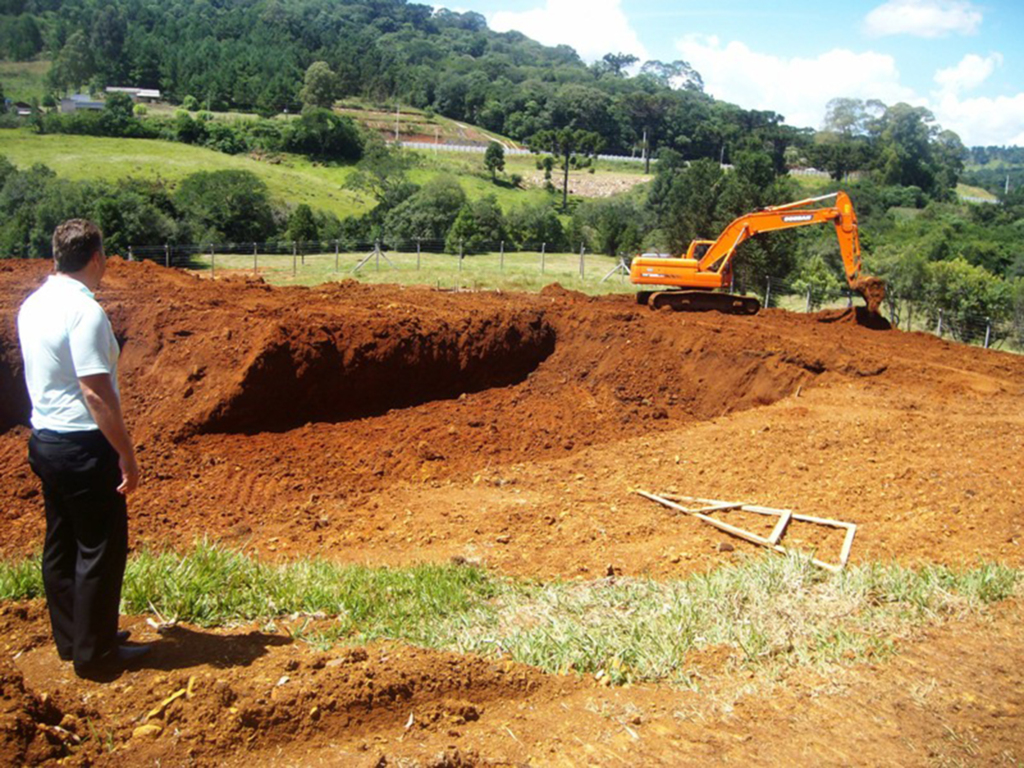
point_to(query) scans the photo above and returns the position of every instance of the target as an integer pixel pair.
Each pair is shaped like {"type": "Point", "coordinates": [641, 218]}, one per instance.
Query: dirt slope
{"type": "Point", "coordinates": [344, 418]}
{"type": "Point", "coordinates": [389, 426]}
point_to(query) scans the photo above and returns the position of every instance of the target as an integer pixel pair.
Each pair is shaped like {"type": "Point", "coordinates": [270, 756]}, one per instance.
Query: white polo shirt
{"type": "Point", "coordinates": [64, 334]}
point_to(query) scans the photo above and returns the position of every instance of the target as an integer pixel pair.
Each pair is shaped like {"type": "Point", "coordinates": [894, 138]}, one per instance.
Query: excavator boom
{"type": "Point", "coordinates": [707, 266]}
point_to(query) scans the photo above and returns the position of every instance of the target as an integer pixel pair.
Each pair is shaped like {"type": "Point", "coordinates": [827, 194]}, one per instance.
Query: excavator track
{"type": "Point", "coordinates": [700, 301]}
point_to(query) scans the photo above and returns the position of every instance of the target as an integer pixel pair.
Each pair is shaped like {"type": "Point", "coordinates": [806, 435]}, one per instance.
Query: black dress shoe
{"type": "Point", "coordinates": [120, 638]}
{"type": "Point", "coordinates": [109, 665]}
{"type": "Point", "coordinates": [126, 654]}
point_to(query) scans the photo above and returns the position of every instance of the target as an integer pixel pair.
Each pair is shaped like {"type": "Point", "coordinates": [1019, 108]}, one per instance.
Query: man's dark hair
{"type": "Point", "coordinates": [74, 243]}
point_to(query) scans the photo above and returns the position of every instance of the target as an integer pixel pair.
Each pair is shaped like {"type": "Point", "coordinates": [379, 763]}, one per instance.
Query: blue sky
{"type": "Point", "coordinates": [961, 59]}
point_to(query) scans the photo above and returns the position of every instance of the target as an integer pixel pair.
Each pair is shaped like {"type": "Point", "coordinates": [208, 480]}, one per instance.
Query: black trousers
{"type": "Point", "coordinates": [86, 543]}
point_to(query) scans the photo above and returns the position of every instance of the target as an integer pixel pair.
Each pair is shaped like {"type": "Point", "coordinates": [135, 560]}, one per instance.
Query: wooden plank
{"type": "Point", "coordinates": [844, 556]}
{"type": "Point", "coordinates": [738, 532]}
{"type": "Point", "coordinates": [718, 508]}
{"type": "Point", "coordinates": [753, 538]}
{"type": "Point", "coordinates": [822, 521]}
{"type": "Point", "coordinates": [780, 527]}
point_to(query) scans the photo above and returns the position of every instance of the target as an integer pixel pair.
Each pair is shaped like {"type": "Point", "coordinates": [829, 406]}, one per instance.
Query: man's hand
{"type": "Point", "coordinates": [101, 400]}
{"type": "Point", "coordinates": [129, 475]}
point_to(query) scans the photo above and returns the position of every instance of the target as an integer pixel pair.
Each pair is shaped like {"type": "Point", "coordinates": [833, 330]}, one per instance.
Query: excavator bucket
{"type": "Point", "coordinates": [873, 291]}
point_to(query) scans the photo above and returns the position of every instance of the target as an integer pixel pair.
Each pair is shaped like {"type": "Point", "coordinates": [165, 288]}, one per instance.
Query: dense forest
{"type": "Point", "coordinates": [716, 160]}
{"type": "Point", "coordinates": [256, 55]}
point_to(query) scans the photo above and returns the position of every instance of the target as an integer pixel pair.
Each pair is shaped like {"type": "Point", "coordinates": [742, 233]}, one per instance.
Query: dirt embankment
{"type": "Point", "coordinates": [295, 419]}
{"type": "Point", "coordinates": [385, 425]}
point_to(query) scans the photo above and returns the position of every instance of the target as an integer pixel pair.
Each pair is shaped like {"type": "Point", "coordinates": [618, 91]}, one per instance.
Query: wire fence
{"type": "Point", "coordinates": [444, 263]}
{"type": "Point", "coordinates": [340, 257]}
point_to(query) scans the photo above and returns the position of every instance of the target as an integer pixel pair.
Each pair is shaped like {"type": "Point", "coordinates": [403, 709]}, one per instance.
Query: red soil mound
{"type": "Point", "coordinates": [293, 419]}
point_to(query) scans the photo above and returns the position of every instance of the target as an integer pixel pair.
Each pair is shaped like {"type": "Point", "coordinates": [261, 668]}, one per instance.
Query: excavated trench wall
{"type": "Point", "coordinates": [335, 372]}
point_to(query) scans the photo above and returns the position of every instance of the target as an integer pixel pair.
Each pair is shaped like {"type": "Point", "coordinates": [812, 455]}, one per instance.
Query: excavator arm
{"type": "Point", "coordinates": [708, 267]}
{"type": "Point", "coordinates": [719, 256]}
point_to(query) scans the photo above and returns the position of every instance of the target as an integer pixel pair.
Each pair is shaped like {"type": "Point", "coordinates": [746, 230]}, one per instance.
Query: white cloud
{"type": "Point", "coordinates": [797, 88]}
{"type": "Point", "coordinates": [923, 18]}
{"type": "Point", "coordinates": [595, 29]}
{"type": "Point", "coordinates": [800, 88]}
{"type": "Point", "coordinates": [983, 121]}
{"type": "Point", "coordinates": [971, 72]}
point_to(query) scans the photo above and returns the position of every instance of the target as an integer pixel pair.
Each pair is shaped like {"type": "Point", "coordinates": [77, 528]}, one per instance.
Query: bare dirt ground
{"type": "Point", "coordinates": [383, 425]}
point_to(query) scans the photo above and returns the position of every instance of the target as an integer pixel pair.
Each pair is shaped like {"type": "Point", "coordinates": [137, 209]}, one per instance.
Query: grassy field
{"type": "Point", "coordinates": [293, 180]}
{"type": "Point", "coordinates": [527, 271]}
{"type": "Point", "coordinates": [24, 80]}
{"type": "Point", "coordinates": [965, 190]}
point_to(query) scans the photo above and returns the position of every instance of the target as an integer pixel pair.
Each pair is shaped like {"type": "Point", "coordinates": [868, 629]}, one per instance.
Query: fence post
{"type": "Point", "coordinates": [583, 268]}
{"type": "Point", "coordinates": [213, 263]}
{"type": "Point", "coordinates": [768, 292]}
{"type": "Point", "coordinates": [302, 255]}
{"type": "Point", "coordinates": [543, 248]}
{"type": "Point", "coordinates": [337, 250]}
{"type": "Point", "coordinates": [501, 257]}
{"type": "Point", "coordinates": [255, 259]}
{"type": "Point", "coordinates": [461, 254]}
{"type": "Point", "coordinates": [938, 327]}
{"type": "Point", "coordinates": [808, 299]}
{"type": "Point", "coordinates": [988, 331]}
{"type": "Point", "coordinates": [295, 251]}
{"type": "Point", "coordinates": [417, 254]}
{"type": "Point", "coordinates": [131, 256]}
{"type": "Point", "coordinates": [167, 255]}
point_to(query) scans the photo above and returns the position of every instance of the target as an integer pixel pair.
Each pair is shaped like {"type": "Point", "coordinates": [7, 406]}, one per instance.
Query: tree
{"type": "Point", "coordinates": [966, 295]}
{"type": "Point", "coordinates": [611, 226]}
{"type": "Point", "coordinates": [532, 225]}
{"type": "Point", "coordinates": [107, 38]}
{"type": "Point", "coordinates": [818, 280]}
{"type": "Point", "coordinates": [676, 74]}
{"type": "Point", "coordinates": [428, 214]}
{"type": "Point", "coordinates": [645, 113]}
{"type": "Point", "coordinates": [567, 144]}
{"type": "Point", "coordinates": [903, 267]}
{"type": "Point", "coordinates": [231, 205]}
{"type": "Point", "coordinates": [684, 199]}
{"type": "Point", "coordinates": [382, 174]}
{"type": "Point", "coordinates": [119, 116]}
{"type": "Point", "coordinates": [323, 134]}
{"type": "Point", "coordinates": [320, 86]}
{"type": "Point", "coordinates": [302, 225]}
{"type": "Point", "coordinates": [852, 117]}
{"type": "Point", "coordinates": [494, 159]}
{"type": "Point", "coordinates": [479, 226]}
{"type": "Point", "coordinates": [73, 65]}
{"type": "Point", "coordinates": [616, 64]}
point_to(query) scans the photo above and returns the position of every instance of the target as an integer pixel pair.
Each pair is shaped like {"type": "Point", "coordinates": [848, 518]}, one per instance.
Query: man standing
{"type": "Point", "coordinates": [81, 450]}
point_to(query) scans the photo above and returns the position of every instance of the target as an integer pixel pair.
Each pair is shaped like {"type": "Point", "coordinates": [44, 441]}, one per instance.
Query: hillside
{"type": "Point", "coordinates": [293, 179]}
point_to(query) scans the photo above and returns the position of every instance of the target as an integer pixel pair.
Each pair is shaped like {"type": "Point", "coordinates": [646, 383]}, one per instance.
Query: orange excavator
{"type": "Point", "coordinates": [700, 280]}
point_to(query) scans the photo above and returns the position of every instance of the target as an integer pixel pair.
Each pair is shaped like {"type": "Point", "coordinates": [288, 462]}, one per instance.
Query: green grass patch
{"type": "Point", "coordinates": [769, 611]}
{"type": "Point", "coordinates": [966, 190]}
{"type": "Point", "coordinates": [294, 180]}
{"type": "Point", "coordinates": [523, 271]}
{"type": "Point", "coordinates": [24, 80]}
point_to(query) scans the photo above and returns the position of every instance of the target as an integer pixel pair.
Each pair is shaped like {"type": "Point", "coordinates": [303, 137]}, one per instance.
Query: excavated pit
{"type": "Point", "coordinates": [259, 409]}
{"type": "Point", "coordinates": [341, 371]}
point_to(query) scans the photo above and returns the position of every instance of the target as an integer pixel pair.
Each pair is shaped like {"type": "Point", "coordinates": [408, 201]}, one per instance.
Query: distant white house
{"type": "Point", "coordinates": [78, 102]}
{"type": "Point", "coordinates": [137, 94]}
